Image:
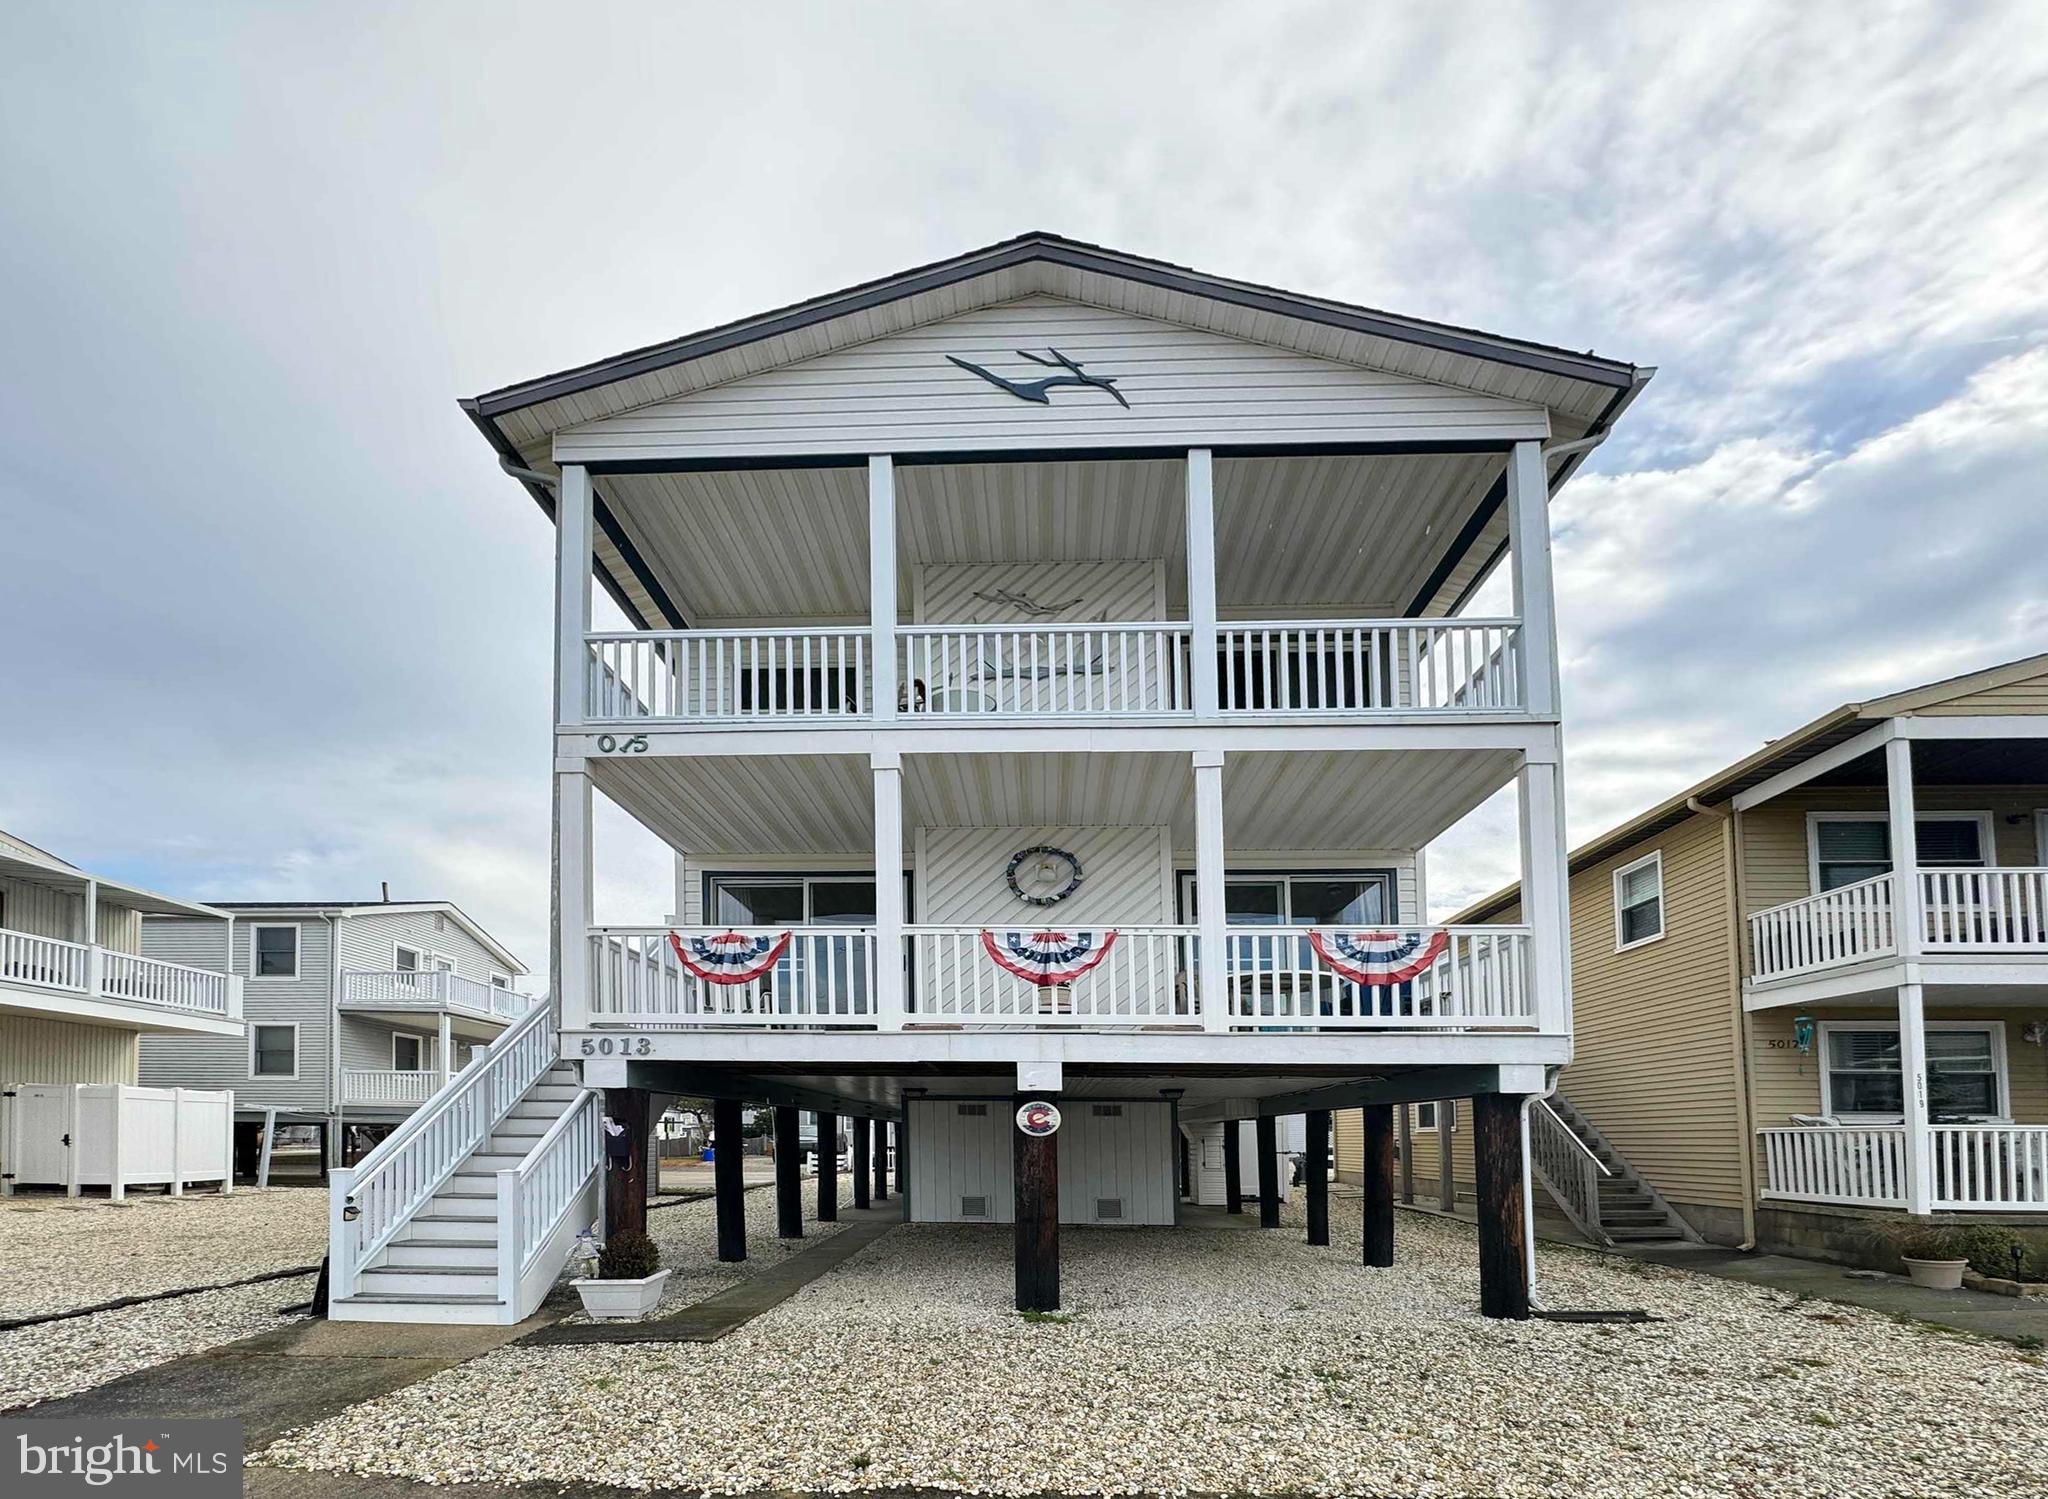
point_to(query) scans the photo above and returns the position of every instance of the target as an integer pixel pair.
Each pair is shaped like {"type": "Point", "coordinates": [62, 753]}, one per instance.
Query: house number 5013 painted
{"type": "Point", "coordinates": [632, 744]}
{"type": "Point", "coordinates": [621, 1046]}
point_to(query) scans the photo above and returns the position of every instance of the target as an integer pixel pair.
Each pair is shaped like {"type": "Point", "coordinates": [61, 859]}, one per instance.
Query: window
{"type": "Point", "coordinates": [793, 901]}
{"type": "Point", "coordinates": [1864, 1074]}
{"type": "Point", "coordinates": [1845, 847]}
{"type": "Point", "coordinates": [501, 981]}
{"type": "Point", "coordinates": [274, 1051]}
{"type": "Point", "coordinates": [1303, 900]}
{"type": "Point", "coordinates": [1639, 902]}
{"type": "Point", "coordinates": [405, 959]}
{"type": "Point", "coordinates": [1427, 1117]}
{"type": "Point", "coordinates": [441, 964]}
{"type": "Point", "coordinates": [408, 1053]}
{"type": "Point", "coordinates": [274, 952]}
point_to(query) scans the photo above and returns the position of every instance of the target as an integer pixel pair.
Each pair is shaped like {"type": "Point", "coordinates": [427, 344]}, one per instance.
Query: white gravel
{"type": "Point", "coordinates": [1236, 1361]}
{"type": "Point", "coordinates": [58, 1253]}
{"type": "Point", "coordinates": [59, 1358]}
{"type": "Point", "coordinates": [687, 1235]}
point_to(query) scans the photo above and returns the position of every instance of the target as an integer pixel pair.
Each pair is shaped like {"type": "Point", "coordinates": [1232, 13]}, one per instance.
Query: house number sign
{"type": "Point", "coordinates": [1038, 1118]}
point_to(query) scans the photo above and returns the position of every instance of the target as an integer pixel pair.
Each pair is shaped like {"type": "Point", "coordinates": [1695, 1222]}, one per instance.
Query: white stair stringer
{"type": "Point", "coordinates": [472, 1212]}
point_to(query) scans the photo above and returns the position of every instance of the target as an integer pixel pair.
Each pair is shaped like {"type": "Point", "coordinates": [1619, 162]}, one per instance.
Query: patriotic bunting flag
{"type": "Point", "coordinates": [1047, 958]}
{"type": "Point", "coordinates": [1379, 957]}
{"type": "Point", "coordinates": [729, 957]}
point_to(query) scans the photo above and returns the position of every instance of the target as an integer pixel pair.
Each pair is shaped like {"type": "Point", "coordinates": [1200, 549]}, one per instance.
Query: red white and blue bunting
{"type": "Point", "coordinates": [1047, 958]}
{"type": "Point", "coordinates": [1379, 957]}
{"type": "Point", "coordinates": [729, 957]}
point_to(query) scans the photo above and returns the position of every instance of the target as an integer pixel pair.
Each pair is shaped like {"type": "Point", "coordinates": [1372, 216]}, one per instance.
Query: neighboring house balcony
{"type": "Point", "coordinates": [1978, 927]}
{"type": "Point", "coordinates": [402, 996]}
{"type": "Point", "coordinates": [86, 982]}
{"type": "Point", "coordinates": [1275, 979]}
{"type": "Point", "coordinates": [388, 1087]}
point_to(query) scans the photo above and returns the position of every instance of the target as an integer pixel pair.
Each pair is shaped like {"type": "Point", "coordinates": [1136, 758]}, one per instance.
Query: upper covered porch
{"type": "Point", "coordinates": [70, 950]}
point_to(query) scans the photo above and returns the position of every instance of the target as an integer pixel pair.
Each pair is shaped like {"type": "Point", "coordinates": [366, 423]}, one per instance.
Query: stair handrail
{"type": "Point", "coordinates": [369, 1203]}
{"type": "Point", "coordinates": [1573, 1178]}
{"type": "Point", "coordinates": [533, 1195]}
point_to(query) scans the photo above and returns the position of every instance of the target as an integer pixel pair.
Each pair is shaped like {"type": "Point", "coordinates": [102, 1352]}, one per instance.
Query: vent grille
{"type": "Point", "coordinates": [1109, 1208]}
{"type": "Point", "coordinates": [974, 1207]}
{"type": "Point", "coordinates": [1109, 1111]}
{"type": "Point", "coordinates": [971, 1110]}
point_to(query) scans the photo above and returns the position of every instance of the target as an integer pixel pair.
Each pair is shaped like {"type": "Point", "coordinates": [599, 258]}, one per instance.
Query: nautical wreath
{"type": "Point", "coordinates": [729, 957]}
{"type": "Point", "coordinates": [1047, 861]}
{"type": "Point", "coordinates": [1047, 958]}
{"type": "Point", "coordinates": [1379, 957]}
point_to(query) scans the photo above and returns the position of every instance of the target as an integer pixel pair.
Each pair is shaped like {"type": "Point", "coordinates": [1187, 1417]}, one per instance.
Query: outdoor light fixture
{"type": "Point", "coordinates": [350, 1212]}
{"type": "Point", "coordinates": [2035, 1033]}
{"type": "Point", "coordinates": [1802, 1032]}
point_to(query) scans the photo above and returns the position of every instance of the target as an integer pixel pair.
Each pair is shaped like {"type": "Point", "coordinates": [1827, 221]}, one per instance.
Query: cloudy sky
{"type": "Point", "coordinates": [274, 626]}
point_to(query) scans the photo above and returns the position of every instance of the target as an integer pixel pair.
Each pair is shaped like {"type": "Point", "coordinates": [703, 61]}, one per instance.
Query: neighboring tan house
{"type": "Point", "coordinates": [357, 1011]}
{"type": "Point", "coordinates": [76, 993]}
{"type": "Point", "coordinates": [1757, 990]}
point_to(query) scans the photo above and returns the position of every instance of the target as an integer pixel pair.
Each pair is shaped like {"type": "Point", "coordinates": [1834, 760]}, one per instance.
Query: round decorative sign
{"type": "Point", "coordinates": [1038, 1118]}
{"type": "Point", "coordinates": [1043, 875]}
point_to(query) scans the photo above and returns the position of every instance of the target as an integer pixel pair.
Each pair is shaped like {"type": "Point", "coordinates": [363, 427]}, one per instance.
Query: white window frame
{"type": "Point", "coordinates": [274, 1077]}
{"type": "Point", "coordinates": [501, 981]}
{"type": "Point", "coordinates": [1987, 842]}
{"type": "Point", "coordinates": [1417, 1124]}
{"type": "Point", "coordinates": [256, 946]}
{"type": "Point", "coordinates": [419, 1041]}
{"type": "Point", "coordinates": [1996, 1028]}
{"type": "Point", "coordinates": [2041, 837]}
{"type": "Point", "coordinates": [436, 959]}
{"type": "Point", "coordinates": [419, 958]}
{"type": "Point", "coordinates": [1654, 857]}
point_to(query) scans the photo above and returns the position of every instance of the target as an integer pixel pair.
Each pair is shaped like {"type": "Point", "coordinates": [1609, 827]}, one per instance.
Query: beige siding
{"type": "Point", "coordinates": [54, 1051]}
{"type": "Point", "coordinates": [1774, 836]}
{"type": "Point", "coordinates": [1185, 387]}
{"type": "Point", "coordinates": [2029, 695]}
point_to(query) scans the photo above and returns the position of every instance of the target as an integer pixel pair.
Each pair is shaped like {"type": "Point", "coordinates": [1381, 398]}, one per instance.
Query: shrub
{"type": "Point", "coordinates": [628, 1256]}
{"type": "Point", "coordinates": [1929, 1241]}
{"type": "Point", "coordinates": [2000, 1252]}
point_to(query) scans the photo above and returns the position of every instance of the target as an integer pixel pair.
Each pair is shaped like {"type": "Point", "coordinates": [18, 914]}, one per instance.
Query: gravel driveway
{"type": "Point", "coordinates": [1236, 1361]}
{"type": "Point", "coordinates": [59, 1253]}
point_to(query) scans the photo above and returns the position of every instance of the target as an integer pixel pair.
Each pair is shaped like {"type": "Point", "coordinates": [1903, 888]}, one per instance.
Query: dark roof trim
{"type": "Point", "coordinates": [1057, 251]}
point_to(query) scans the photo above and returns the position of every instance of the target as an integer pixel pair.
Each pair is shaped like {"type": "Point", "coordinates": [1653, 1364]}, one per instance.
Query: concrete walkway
{"type": "Point", "coordinates": [2013, 1318]}
{"type": "Point", "coordinates": [716, 1315]}
{"type": "Point", "coordinates": [277, 1381]}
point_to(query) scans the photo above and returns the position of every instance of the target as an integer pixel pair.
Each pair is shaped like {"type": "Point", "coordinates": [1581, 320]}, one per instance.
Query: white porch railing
{"type": "Point", "coordinates": [533, 1196]}
{"type": "Point", "coordinates": [713, 676]}
{"type": "Point", "coordinates": [173, 985]}
{"type": "Point", "coordinates": [387, 1087]}
{"type": "Point", "coordinates": [101, 972]}
{"type": "Point", "coordinates": [1145, 978]}
{"type": "Point", "coordinates": [371, 1202]}
{"type": "Point", "coordinates": [1277, 980]}
{"type": "Point", "coordinates": [1095, 670]}
{"type": "Point", "coordinates": [1340, 667]}
{"type": "Point", "coordinates": [45, 961]}
{"type": "Point", "coordinates": [1840, 926]}
{"type": "Point", "coordinates": [824, 977]}
{"type": "Point", "coordinates": [1977, 1167]}
{"type": "Point", "coordinates": [1985, 910]}
{"type": "Point", "coordinates": [429, 989]}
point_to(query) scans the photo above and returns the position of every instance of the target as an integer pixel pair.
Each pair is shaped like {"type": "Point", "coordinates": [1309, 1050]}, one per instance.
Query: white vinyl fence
{"type": "Point", "coordinates": [77, 1135]}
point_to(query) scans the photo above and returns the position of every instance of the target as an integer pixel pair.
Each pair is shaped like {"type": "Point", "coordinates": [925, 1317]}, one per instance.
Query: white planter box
{"type": "Point", "coordinates": [621, 1300]}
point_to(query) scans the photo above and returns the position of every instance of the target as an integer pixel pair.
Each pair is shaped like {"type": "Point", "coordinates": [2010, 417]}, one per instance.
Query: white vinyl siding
{"type": "Point", "coordinates": [1639, 902]}
{"type": "Point", "coordinates": [223, 1062]}
{"type": "Point", "coordinates": [1185, 388]}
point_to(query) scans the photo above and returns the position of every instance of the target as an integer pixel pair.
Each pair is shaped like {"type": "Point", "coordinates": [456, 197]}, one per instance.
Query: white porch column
{"type": "Point", "coordinates": [1212, 940]}
{"type": "Point", "coordinates": [573, 882]}
{"type": "Point", "coordinates": [1908, 929]}
{"type": "Point", "coordinates": [882, 585]}
{"type": "Point", "coordinates": [572, 593]}
{"type": "Point", "coordinates": [1528, 506]}
{"type": "Point", "coordinates": [91, 937]}
{"type": "Point", "coordinates": [888, 768]}
{"type": "Point", "coordinates": [1545, 886]}
{"type": "Point", "coordinates": [444, 1051]}
{"type": "Point", "coordinates": [1201, 527]}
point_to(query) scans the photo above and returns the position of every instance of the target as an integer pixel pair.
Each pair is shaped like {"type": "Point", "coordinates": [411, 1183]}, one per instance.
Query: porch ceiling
{"type": "Point", "coordinates": [1954, 762]}
{"type": "Point", "coordinates": [823, 804]}
{"type": "Point", "coordinates": [1351, 534]}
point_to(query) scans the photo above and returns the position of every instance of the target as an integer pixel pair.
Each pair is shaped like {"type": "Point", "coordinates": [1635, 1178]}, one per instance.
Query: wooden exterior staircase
{"type": "Point", "coordinates": [1594, 1185]}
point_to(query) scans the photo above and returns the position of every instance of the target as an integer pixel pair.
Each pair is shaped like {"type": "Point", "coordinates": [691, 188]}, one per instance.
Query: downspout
{"type": "Point", "coordinates": [334, 1031]}
{"type": "Point", "coordinates": [1745, 1107]}
{"type": "Point", "coordinates": [1529, 1101]}
{"type": "Point", "coordinates": [529, 475]}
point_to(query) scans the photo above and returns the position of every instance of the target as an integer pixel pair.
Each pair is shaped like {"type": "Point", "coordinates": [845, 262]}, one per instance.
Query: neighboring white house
{"type": "Point", "coordinates": [357, 1010]}
{"type": "Point", "coordinates": [1047, 668]}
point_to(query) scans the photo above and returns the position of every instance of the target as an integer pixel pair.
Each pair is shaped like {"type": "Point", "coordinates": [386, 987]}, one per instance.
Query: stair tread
{"type": "Point", "coordinates": [431, 1270]}
{"type": "Point", "coordinates": [432, 1298]}
{"type": "Point", "coordinates": [440, 1243]}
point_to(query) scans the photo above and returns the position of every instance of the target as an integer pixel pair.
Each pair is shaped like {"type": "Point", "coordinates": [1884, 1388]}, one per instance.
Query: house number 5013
{"type": "Point", "coordinates": [623, 1046]}
{"type": "Point", "coordinates": [632, 744]}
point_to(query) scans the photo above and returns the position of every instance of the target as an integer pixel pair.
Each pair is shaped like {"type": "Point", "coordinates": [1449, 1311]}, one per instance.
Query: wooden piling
{"type": "Point", "coordinates": [1377, 1181]}
{"type": "Point", "coordinates": [1315, 1168]}
{"type": "Point", "coordinates": [861, 1170]}
{"type": "Point", "coordinates": [789, 1175]}
{"type": "Point", "coordinates": [1037, 1175]}
{"type": "Point", "coordinates": [1266, 1137]}
{"type": "Point", "coordinates": [1503, 1240]}
{"type": "Point", "coordinates": [729, 1179]}
{"type": "Point", "coordinates": [881, 1192]}
{"type": "Point", "coordinates": [1233, 1174]}
{"type": "Point", "coordinates": [828, 1168]}
{"type": "Point", "coordinates": [625, 1176]}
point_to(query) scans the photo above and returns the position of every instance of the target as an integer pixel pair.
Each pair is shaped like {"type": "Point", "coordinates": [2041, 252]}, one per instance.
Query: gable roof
{"type": "Point", "coordinates": [1777, 755]}
{"type": "Point", "coordinates": [372, 908]}
{"type": "Point", "coordinates": [1585, 393]}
